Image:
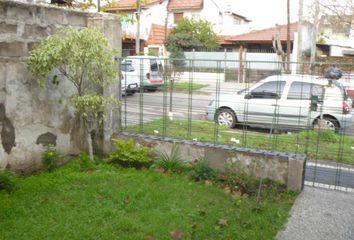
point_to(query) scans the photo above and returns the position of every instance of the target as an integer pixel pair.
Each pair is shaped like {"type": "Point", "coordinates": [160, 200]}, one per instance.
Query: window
{"type": "Point", "coordinates": [269, 90]}
{"type": "Point", "coordinates": [303, 91]}
{"type": "Point", "coordinates": [127, 67]}
{"type": "Point", "coordinates": [177, 17]}
{"type": "Point", "coordinates": [237, 21]}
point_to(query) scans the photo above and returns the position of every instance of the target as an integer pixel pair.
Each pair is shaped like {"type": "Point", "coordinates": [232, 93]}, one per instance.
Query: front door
{"type": "Point", "coordinates": [261, 104]}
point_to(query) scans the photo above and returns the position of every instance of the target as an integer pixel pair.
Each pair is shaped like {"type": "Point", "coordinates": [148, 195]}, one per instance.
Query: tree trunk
{"type": "Point", "coordinates": [137, 37]}
{"type": "Point", "coordinates": [89, 141]}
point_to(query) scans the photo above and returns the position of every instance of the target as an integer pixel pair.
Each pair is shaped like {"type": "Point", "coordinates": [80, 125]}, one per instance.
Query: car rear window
{"type": "Point", "coordinates": [127, 67]}
{"type": "Point", "coordinates": [304, 91]}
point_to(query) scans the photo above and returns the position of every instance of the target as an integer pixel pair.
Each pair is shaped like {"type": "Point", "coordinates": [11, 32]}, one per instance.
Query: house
{"type": "Point", "coordinates": [261, 40]}
{"type": "Point", "coordinates": [159, 16]}
{"type": "Point", "coordinates": [153, 13]}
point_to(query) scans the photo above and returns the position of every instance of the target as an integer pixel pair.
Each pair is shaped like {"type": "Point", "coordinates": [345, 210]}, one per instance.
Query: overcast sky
{"type": "Point", "coordinates": [264, 13]}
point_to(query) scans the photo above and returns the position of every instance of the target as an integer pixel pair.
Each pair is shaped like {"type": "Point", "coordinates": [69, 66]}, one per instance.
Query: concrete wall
{"type": "Point", "coordinates": [284, 168]}
{"type": "Point", "coordinates": [30, 116]}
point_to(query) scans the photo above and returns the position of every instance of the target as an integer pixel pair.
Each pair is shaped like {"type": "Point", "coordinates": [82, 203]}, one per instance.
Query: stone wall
{"type": "Point", "coordinates": [30, 116]}
{"type": "Point", "coordinates": [282, 167]}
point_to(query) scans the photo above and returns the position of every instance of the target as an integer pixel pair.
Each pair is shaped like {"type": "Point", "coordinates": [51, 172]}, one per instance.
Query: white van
{"type": "Point", "coordinates": [148, 69]}
{"type": "Point", "coordinates": [129, 80]}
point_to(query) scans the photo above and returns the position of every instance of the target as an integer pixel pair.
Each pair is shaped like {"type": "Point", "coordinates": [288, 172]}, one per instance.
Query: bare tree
{"type": "Point", "coordinates": [340, 11]}
{"type": "Point", "coordinates": [278, 48]}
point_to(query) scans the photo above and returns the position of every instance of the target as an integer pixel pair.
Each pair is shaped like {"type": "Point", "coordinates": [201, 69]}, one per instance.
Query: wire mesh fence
{"type": "Point", "coordinates": [249, 104]}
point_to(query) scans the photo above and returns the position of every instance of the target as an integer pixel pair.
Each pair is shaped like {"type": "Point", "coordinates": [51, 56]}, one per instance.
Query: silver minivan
{"type": "Point", "coordinates": [285, 102]}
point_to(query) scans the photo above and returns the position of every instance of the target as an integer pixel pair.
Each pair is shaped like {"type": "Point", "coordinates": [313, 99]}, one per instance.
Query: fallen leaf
{"type": "Point", "coordinates": [208, 183]}
{"type": "Point", "coordinates": [237, 193]}
{"type": "Point", "coordinates": [127, 200]}
{"type": "Point", "coordinates": [99, 197]}
{"type": "Point", "coordinates": [160, 170]}
{"type": "Point", "coordinates": [227, 190]}
{"type": "Point", "coordinates": [194, 226]}
{"type": "Point", "coordinates": [176, 234]}
{"type": "Point", "coordinates": [222, 222]}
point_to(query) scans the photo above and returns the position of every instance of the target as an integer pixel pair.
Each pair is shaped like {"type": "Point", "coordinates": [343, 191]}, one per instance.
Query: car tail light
{"type": "Point", "coordinates": [148, 75]}
{"type": "Point", "coordinates": [346, 108]}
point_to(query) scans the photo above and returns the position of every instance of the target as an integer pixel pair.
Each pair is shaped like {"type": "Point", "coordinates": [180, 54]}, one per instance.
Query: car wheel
{"type": "Point", "coordinates": [327, 123]}
{"type": "Point", "coordinates": [225, 117]}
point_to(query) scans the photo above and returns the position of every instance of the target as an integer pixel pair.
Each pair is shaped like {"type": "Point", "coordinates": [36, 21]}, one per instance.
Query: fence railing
{"type": "Point", "coordinates": [303, 113]}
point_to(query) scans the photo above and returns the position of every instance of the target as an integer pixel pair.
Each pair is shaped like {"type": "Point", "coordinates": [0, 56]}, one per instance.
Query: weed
{"type": "Point", "coordinates": [85, 162]}
{"type": "Point", "coordinates": [238, 178]}
{"type": "Point", "coordinates": [172, 162]}
{"type": "Point", "coordinates": [8, 181]}
{"type": "Point", "coordinates": [50, 158]}
{"type": "Point", "coordinates": [127, 154]}
{"type": "Point", "coordinates": [201, 171]}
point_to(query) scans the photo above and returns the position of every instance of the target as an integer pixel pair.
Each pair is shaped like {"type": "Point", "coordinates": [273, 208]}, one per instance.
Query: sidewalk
{"type": "Point", "coordinates": [320, 214]}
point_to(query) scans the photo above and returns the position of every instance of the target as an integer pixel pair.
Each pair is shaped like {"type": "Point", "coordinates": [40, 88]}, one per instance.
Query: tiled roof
{"type": "Point", "coordinates": [184, 5]}
{"type": "Point", "coordinates": [130, 4]}
{"type": "Point", "coordinates": [264, 35]}
{"type": "Point", "coordinates": [157, 35]}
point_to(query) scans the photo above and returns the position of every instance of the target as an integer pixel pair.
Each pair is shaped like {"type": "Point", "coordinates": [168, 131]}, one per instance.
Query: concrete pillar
{"type": "Point", "coordinates": [110, 26]}
{"type": "Point", "coordinates": [296, 174]}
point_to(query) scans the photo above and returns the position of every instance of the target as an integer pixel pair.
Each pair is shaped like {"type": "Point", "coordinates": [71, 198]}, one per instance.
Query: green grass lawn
{"type": "Point", "coordinates": [323, 145]}
{"type": "Point", "coordinates": [114, 203]}
{"type": "Point", "coordinates": [184, 86]}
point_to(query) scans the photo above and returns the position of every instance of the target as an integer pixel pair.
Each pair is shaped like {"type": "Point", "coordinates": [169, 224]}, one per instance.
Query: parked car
{"type": "Point", "coordinates": [148, 69]}
{"type": "Point", "coordinates": [285, 102]}
{"type": "Point", "coordinates": [129, 79]}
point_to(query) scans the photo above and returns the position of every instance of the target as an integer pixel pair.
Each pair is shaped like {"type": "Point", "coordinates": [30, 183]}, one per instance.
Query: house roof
{"type": "Point", "coordinates": [129, 4]}
{"type": "Point", "coordinates": [175, 5]}
{"type": "Point", "coordinates": [157, 35]}
{"type": "Point", "coordinates": [264, 35]}
{"type": "Point", "coordinates": [240, 16]}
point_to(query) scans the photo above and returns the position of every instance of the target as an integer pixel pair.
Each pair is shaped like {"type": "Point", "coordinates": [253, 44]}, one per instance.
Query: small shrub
{"type": "Point", "coordinates": [201, 171]}
{"type": "Point", "coordinates": [85, 162]}
{"type": "Point", "coordinates": [8, 181]}
{"type": "Point", "coordinates": [172, 162]}
{"type": "Point", "coordinates": [238, 178]}
{"type": "Point", "coordinates": [50, 158]}
{"type": "Point", "coordinates": [127, 154]}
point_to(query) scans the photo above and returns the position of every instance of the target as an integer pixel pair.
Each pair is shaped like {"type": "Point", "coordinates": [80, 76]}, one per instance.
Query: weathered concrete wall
{"type": "Point", "coordinates": [285, 168]}
{"type": "Point", "coordinates": [31, 116]}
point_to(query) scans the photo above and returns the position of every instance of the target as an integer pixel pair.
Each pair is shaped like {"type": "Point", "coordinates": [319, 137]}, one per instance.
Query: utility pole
{"type": "Point", "coordinates": [299, 35]}
{"type": "Point", "coordinates": [314, 35]}
{"type": "Point", "coordinates": [137, 37]}
{"type": "Point", "coordinates": [288, 46]}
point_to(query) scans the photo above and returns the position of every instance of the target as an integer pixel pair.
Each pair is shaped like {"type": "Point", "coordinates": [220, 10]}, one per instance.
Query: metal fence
{"type": "Point", "coordinates": [303, 113]}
